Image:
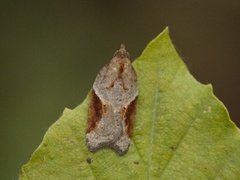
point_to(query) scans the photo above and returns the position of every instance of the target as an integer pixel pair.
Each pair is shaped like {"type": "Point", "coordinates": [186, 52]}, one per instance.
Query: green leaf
{"type": "Point", "coordinates": [182, 131]}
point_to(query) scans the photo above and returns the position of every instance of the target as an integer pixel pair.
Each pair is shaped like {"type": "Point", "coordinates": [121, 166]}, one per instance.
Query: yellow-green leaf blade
{"type": "Point", "coordinates": [181, 131]}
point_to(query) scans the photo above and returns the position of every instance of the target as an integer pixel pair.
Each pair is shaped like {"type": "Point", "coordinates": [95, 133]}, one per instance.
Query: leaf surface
{"type": "Point", "coordinates": [181, 131]}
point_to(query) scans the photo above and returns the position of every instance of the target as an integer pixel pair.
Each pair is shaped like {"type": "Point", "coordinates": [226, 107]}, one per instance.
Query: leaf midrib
{"type": "Point", "coordinates": [156, 100]}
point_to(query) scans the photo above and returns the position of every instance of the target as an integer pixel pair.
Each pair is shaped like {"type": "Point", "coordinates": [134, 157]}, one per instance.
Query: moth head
{"type": "Point", "coordinates": [122, 53]}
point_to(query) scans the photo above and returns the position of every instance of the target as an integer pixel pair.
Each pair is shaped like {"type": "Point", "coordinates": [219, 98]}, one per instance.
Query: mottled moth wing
{"type": "Point", "coordinates": [113, 105]}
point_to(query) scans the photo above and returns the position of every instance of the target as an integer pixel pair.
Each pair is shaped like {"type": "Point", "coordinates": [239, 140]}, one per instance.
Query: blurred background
{"type": "Point", "coordinates": [51, 52]}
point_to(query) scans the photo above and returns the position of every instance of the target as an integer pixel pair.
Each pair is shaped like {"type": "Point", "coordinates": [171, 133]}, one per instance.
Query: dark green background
{"type": "Point", "coordinates": [50, 53]}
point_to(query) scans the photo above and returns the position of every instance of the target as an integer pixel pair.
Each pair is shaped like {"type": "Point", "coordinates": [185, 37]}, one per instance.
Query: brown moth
{"type": "Point", "coordinates": [113, 105]}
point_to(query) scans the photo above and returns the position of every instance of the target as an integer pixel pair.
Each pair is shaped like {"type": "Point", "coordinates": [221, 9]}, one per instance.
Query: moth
{"type": "Point", "coordinates": [113, 105]}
